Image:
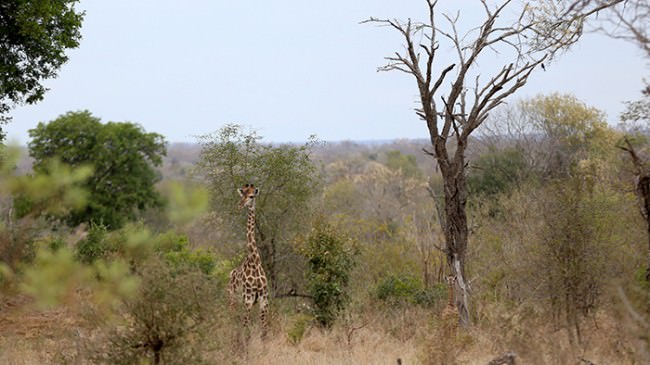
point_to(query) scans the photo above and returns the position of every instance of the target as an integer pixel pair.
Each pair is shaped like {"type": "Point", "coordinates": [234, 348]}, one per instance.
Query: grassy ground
{"type": "Point", "coordinates": [30, 336]}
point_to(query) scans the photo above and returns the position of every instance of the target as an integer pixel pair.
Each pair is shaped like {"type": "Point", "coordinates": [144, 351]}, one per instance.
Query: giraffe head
{"type": "Point", "coordinates": [451, 280]}
{"type": "Point", "coordinates": [248, 194]}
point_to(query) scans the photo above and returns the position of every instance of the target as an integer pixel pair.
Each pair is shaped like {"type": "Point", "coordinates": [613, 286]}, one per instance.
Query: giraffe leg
{"type": "Point", "coordinates": [249, 300]}
{"type": "Point", "coordinates": [232, 290]}
{"type": "Point", "coordinates": [264, 312]}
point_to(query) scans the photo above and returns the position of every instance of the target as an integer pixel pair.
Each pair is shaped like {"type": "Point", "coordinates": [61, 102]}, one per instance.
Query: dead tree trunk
{"type": "Point", "coordinates": [642, 189]}
{"type": "Point", "coordinates": [456, 232]}
{"type": "Point", "coordinates": [464, 107]}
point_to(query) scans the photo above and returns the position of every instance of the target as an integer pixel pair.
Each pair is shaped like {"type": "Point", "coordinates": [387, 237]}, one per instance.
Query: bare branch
{"type": "Point", "coordinates": [532, 39]}
{"type": "Point", "coordinates": [442, 77]}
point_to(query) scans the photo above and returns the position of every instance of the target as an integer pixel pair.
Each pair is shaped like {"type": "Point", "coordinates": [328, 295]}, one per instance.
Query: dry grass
{"type": "Point", "coordinates": [28, 336]}
{"type": "Point", "coordinates": [371, 346]}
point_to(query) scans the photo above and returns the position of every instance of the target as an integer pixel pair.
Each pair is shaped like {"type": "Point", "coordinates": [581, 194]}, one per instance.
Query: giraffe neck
{"type": "Point", "coordinates": [250, 231]}
{"type": "Point", "coordinates": [450, 294]}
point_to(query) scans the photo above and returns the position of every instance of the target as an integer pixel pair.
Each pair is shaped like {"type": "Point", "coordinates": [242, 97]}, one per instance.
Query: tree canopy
{"type": "Point", "coordinates": [123, 156]}
{"type": "Point", "coordinates": [285, 175]}
{"type": "Point", "coordinates": [34, 35]}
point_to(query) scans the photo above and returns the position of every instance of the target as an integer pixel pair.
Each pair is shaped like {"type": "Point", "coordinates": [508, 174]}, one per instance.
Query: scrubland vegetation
{"type": "Point", "coordinates": [351, 241]}
{"type": "Point", "coordinates": [516, 233]}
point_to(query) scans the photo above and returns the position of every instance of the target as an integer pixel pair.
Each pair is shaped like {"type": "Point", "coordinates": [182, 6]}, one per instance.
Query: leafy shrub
{"type": "Point", "coordinates": [398, 287]}
{"type": "Point", "coordinates": [176, 250]}
{"type": "Point", "coordinates": [300, 324]}
{"type": "Point", "coordinates": [137, 244]}
{"type": "Point", "coordinates": [431, 296]}
{"type": "Point", "coordinates": [56, 243]}
{"type": "Point", "coordinates": [55, 277]}
{"type": "Point", "coordinates": [94, 246]}
{"type": "Point", "coordinates": [31, 203]}
{"type": "Point", "coordinates": [330, 258]}
{"type": "Point", "coordinates": [641, 279]}
{"type": "Point", "coordinates": [165, 323]}
{"type": "Point", "coordinates": [403, 288]}
{"type": "Point", "coordinates": [497, 171]}
{"type": "Point", "coordinates": [395, 160]}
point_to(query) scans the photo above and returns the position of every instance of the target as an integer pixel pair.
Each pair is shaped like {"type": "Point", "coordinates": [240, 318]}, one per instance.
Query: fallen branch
{"type": "Point", "coordinates": [506, 359]}
{"type": "Point", "coordinates": [293, 293]}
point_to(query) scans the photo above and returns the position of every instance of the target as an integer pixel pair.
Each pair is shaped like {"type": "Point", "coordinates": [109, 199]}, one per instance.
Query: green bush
{"type": "Point", "coordinates": [431, 296]}
{"type": "Point", "coordinates": [94, 246]}
{"type": "Point", "coordinates": [404, 288]}
{"type": "Point", "coordinates": [397, 287]}
{"type": "Point", "coordinates": [497, 171]}
{"type": "Point", "coordinates": [56, 243]}
{"type": "Point", "coordinates": [166, 322]}
{"type": "Point", "coordinates": [330, 257]}
{"type": "Point", "coordinates": [300, 324]}
{"type": "Point", "coordinates": [137, 244]}
{"type": "Point", "coordinates": [56, 276]}
{"type": "Point", "coordinates": [175, 248]}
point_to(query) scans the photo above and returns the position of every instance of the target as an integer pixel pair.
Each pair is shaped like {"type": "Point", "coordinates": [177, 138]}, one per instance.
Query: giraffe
{"type": "Point", "coordinates": [249, 275]}
{"type": "Point", "coordinates": [450, 315]}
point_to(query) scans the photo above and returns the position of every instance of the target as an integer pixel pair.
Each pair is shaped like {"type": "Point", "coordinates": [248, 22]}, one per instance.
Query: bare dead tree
{"type": "Point", "coordinates": [459, 117]}
{"type": "Point", "coordinates": [621, 19]}
{"type": "Point", "coordinates": [631, 23]}
{"type": "Point", "coordinates": [642, 187]}
{"type": "Point", "coordinates": [453, 115]}
{"type": "Point", "coordinates": [558, 24]}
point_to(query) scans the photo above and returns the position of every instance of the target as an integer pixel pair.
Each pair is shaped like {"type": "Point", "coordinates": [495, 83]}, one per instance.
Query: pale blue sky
{"type": "Point", "coordinates": [288, 68]}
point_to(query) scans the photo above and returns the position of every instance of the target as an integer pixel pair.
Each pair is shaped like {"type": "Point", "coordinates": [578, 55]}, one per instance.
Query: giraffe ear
{"type": "Point", "coordinates": [240, 191]}
{"type": "Point", "coordinates": [257, 191]}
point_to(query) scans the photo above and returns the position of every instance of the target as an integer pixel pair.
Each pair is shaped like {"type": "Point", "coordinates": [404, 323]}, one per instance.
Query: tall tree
{"type": "Point", "coordinates": [123, 156]}
{"type": "Point", "coordinates": [286, 177]}
{"type": "Point", "coordinates": [636, 119]}
{"type": "Point", "coordinates": [34, 35]}
{"type": "Point", "coordinates": [452, 114]}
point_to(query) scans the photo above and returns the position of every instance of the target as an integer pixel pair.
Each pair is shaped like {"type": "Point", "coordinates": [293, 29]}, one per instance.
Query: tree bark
{"type": "Point", "coordinates": [643, 192]}
{"type": "Point", "coordinates": [642, 188]}
{"type": "Point", "coordinates": [456, 232]}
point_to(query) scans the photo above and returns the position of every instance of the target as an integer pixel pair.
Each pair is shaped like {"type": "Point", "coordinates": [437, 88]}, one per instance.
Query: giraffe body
{"type": "Point", "coordinates": [450, 315]}
{"type": "Point", "coordinates": [249, 277]}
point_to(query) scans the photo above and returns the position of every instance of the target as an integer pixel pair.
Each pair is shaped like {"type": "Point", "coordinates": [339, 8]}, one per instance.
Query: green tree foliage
{"type": "Point", "coordinates": [330, 257]}
{"type": "Point", "coordinates": [56, 276]}
{"type": "Point", "coordinates": [403, 288]}
{"type": "Point", "coordinates": [185, 201]}
{"type": "Point", "coordinates": [286, 177]}
{"type": "Point", "coordinates": [122, 155]}
{"type": "Point", "coordinates": [54, 192]}
{"type": "Point", "coordinates": [638, 112]}
{"type": "Point", "coordinates": [572, 132]}
{"type": "Point", "coordinates": [396, 160]}
{"type": "Point", "coordinates": [29, 204]}
{"type": "Point", "coordinates": [92, 247]}
{"type": "Point", "coordinates": [34, 35]}
{"type": "Point", "coordinates": [497, 171]}
{"type": "Point", "coordinates": [577, 250]}
{"type": "Point", "coordinates": [137, 244]}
